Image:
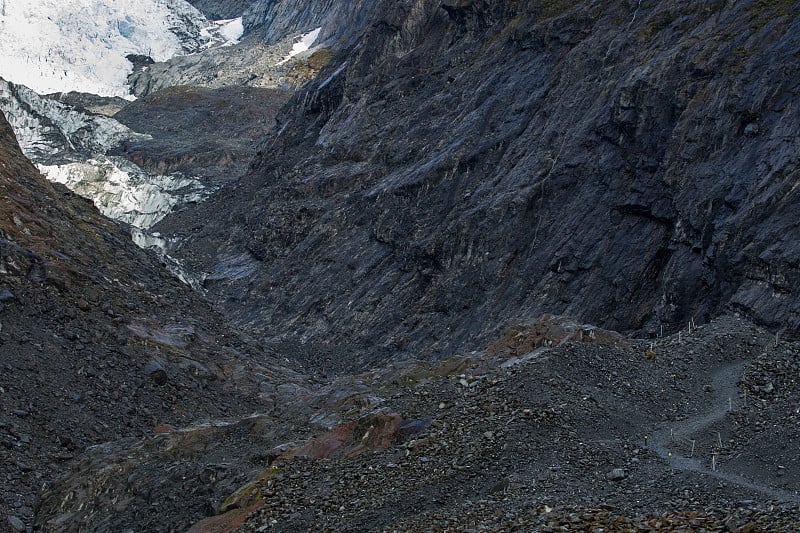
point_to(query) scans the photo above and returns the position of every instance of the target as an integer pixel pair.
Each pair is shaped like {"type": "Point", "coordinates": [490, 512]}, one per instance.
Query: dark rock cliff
{"type": "Point", "coordinates": [471, 163]}
{"type": "Point", "coordinates": [341, 23]}
{"type": "Point", "coordinates": [222, 9]}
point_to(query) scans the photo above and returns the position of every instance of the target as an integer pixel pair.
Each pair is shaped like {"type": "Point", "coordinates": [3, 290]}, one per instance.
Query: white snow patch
{"type": "Point", "coordinates": [81, 45]}
{"type": "Point", "coordinates": [306, 41]}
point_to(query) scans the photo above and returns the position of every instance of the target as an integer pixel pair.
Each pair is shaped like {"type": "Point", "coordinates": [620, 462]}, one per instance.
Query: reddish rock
{"type": "Point", "coordinates": [163, 428]}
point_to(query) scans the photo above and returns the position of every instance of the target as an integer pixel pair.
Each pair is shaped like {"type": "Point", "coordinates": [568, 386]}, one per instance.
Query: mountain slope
{"type": "Point", "coordinates": [467, 164]}
{"type": "Point", "coordinates": [97, 340]}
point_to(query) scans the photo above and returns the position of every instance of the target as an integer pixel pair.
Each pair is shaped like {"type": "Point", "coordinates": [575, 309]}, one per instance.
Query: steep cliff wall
{"type": "Point", "coordinates": [342, 23]}
{"type": "Point", "coordinates": [222, 9]}
{"type": "Point", "coordinates": [471, 163]}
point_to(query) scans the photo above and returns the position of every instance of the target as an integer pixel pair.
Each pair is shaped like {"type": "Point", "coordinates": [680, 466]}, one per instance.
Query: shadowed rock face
{"type": "Point", "coordinates": [476, 162]}
{"type": "Point", "coordinates": [340, 21]}
{"type": "Point", "coordinates": [210, 133]}
{"type": "Point", "coordinates": [222, 9]}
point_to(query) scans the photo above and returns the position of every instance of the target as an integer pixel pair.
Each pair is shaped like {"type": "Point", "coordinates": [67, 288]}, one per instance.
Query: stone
{"type": "Point", "coordinates": [6, 296]}
{"type": "Point", "coordinates": [751, 130]}
{"type": "Point", "coordinates": [16, 523]}
{"type": "Point", "coordinates": [616, 474]}
{"type": "Point", "coordinates": [767, 388]}
{"type": "Point", "coordinates": [156, 372]}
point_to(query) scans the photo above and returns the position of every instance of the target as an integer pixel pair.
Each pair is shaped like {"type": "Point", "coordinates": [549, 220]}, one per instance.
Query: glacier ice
{"type": "Point", "coordinates": [81, 45]}
{"type": "Point", "coordinates": [123, 191]}
{"type": "Point", "coordinates": [69, 147]}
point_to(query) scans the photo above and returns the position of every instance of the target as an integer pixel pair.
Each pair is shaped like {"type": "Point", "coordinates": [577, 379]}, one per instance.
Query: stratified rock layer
{"type": "Point", "coordinates": [470, 163]}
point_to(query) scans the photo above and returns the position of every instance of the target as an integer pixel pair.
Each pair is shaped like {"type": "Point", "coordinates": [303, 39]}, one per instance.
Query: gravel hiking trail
{"type": "Point", "coordinates": [673, 437]}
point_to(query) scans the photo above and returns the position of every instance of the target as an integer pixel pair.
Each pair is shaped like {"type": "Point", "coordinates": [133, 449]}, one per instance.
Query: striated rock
{"type": "Point", "coordinates": [340, 22]}
{"type": "Point", "coordinates": [477, 163]}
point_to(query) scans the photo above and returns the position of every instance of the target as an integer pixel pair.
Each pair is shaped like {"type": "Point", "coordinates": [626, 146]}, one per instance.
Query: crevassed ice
{"type": "Point", "coordinates": [123, 191]}
{"type": "Point", "coordinates": [232, 30]}
{"type": "Point", "coordinates": [46, 127]}
{"type": "Point", "coordinates": [81, 45]}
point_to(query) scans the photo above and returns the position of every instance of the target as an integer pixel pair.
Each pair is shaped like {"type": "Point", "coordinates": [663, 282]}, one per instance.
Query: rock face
{"type": "Point", "coordinates": [472, 163]}
{"type": "Point", "coordinates": [84, 314]}
{"type": "Point", "coordinates": [341, 22]}
{"type": "Point", "coordinates": [225, 9]}
{"type": "Point", "coordinates": [250, 62]}
{"type": "Point", "coordinates": [209, 133]}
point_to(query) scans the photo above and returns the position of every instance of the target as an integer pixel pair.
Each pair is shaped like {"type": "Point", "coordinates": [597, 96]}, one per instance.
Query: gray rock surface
{"type": "Point", "coordinates": [208, 133]}
{"type": "Point", "coordinates": [468, 164]}
{"type": "Point", "coordinates": [250, 62]}
{"type": "Point", "coordinates": [409, 447]}
{"type": "Point", "coordinates": [222, 9]}
{"type": "Point", "coordinates": [341, 22]}
{"type": "Point", "coordinates": [616, 474]}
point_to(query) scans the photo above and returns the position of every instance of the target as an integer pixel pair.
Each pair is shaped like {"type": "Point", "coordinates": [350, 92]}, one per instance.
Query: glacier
{"type": "Point", "coordinates": [81, 45]}
{"type": "Point", "coordinates": [61, 46]}
{"type": "Point", "coordinates": [69, 147]}
{"type": "Point", "coordinates": [122, 191]}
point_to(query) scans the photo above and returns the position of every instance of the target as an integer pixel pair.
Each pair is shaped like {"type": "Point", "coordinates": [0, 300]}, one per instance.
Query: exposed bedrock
{"type": "Point", "coordinates": [470, 163]}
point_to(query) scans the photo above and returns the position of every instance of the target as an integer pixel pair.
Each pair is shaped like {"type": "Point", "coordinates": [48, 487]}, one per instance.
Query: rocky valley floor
{"type": "Point", "coordinates": [554, 427]}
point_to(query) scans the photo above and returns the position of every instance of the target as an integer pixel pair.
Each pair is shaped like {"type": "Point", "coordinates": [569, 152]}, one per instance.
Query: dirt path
{"type": "Point", "coordinates": [672, 437]}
